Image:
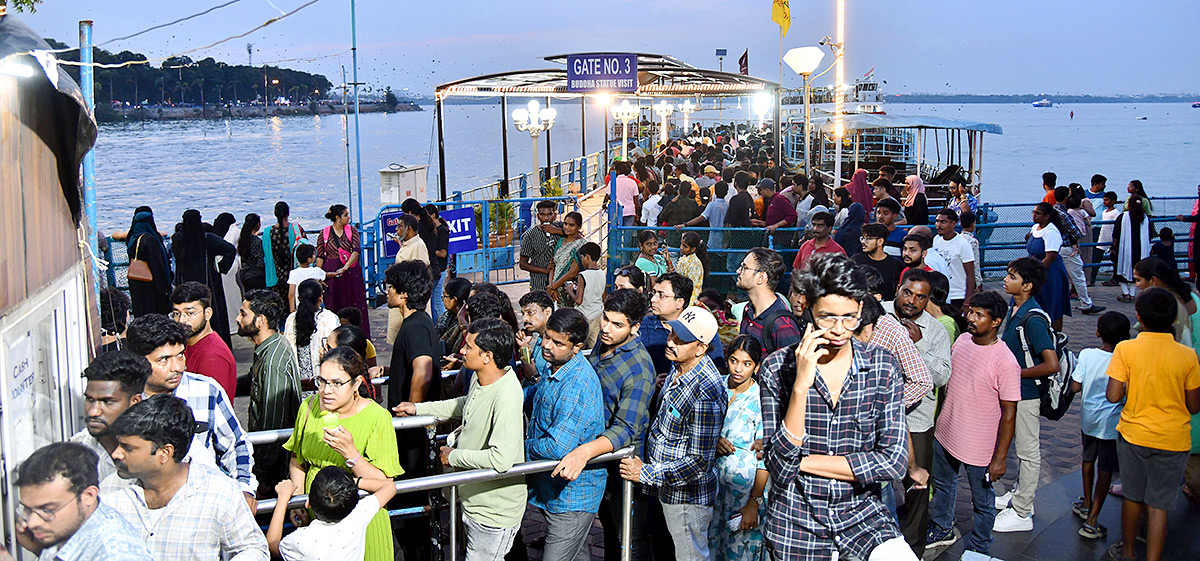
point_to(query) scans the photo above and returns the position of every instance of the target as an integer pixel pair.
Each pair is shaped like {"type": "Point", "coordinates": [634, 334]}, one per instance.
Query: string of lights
{"type": "Point", "coordinates": [189, 51]}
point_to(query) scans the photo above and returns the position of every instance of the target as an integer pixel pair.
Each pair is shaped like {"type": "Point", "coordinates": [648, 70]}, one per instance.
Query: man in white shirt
{"type": "Point", "coordinates": [652, 206]}
{"type": "Point", "coordinates": [184, 510]}
{"type": "Point", "coordinates": [958, 254]}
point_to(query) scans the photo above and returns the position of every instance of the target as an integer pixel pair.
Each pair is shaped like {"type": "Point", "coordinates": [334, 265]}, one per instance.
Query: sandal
{"type": "Point", "coordinates": [1114, 553]}
{"type": "Point", "coordinates": [1093, 532]}
{"type": "Point", "coordinates": [1080, 508]}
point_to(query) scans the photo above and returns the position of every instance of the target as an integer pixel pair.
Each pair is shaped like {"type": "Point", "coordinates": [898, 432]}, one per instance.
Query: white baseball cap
{"type": "Point", "coordinates": [695, 324]}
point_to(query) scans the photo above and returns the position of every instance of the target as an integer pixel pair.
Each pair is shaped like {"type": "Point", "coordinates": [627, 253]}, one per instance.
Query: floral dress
{"type": "Point", "coordinates": [735, 480]}
{"type": "Point", "coordinates": [567, 253]}
{"type": "Point", "coordinates": [690, 267]}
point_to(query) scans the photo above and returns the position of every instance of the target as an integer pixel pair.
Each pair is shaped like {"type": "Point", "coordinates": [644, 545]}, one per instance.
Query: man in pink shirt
{"type": "Point", "coordinates": [976, 425]}
{"type": "Point", "coordinates": [627, 193]}
{"type": "Point", "coordinates": [821, 225]}
{"type": "Point", "coordinates": [207, 354]}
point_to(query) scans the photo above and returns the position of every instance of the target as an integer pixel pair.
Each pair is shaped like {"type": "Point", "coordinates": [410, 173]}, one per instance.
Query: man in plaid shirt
{"type": "Point", "coordinates": [184, 510]}
{"type": "Point", "coordinates": [833, 428]}
{"type": "Point", "coordinates": [627, 383]}
{"type": "Point", "coordinates": [219, 439]}
{"type": "Point", "coordinates": [682, 443]}
{"type": "Point", "coordinates": [566, 412]}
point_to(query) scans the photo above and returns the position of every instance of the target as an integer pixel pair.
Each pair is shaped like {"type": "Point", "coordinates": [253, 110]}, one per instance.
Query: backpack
{"type": "Point", "coordinates": [1054, 391]}
{"type": "Point", "coordinates": [768, 327]}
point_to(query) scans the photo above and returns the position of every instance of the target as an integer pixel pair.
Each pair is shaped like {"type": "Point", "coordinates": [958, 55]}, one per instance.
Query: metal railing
{"type": "Point", "coordinates": [280, 435]}
{"type": "Point", "coordinates": [456, 479]}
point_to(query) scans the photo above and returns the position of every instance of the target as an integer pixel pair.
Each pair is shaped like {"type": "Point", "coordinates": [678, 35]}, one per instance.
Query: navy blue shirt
{"type": "Point", "coordinates": [1037, 332]}
{"type": "Point", "coordinates": [653, 335]}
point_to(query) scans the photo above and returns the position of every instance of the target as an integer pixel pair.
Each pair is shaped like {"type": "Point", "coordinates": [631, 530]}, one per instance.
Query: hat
{"type": "Point", "coordinates": [710, 169]}
{"type": "Point", "coordinates": [695, 324]}
{"type": "Point", "coordinates": [767, 183]}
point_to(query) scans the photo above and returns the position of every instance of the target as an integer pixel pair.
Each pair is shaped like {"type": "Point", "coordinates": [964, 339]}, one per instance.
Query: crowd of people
{"type": "Point", "coordinates": [829, 415]}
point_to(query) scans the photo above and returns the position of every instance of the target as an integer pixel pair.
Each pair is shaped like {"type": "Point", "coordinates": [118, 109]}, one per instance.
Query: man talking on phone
{"type": "Point", "coordinates": [833, 428]}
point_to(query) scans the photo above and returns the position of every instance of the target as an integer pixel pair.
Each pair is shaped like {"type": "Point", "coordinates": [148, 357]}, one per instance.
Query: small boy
{"type": "Point", "coordinates": [305, 255]}
{"type": "Point", "coordinates": [968, 220]}
{"type": "Point", "coordinates": [1164, 248]}
{"type": "Point", "coordinates": [1109, 214]}
{"type": "Point", "coordinates": [339, 528]}
{"type": "Point", "coordinates": [1162, 381]}
{"type": "Point", "coordinates": [353, 316]}
{"type": "Point", "coordinates": [1099, 421]}
{"type": "Point", "coordinates": [587, 290]}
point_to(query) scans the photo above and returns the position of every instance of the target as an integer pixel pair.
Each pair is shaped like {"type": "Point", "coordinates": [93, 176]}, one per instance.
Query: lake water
{"type": "Point", "coordinates": [246, 165]}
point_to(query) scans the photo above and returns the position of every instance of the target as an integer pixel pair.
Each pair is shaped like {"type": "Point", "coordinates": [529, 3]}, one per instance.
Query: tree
{"type": "Point", "coordinates": [389, 99]}
{"type": "Point", "coordinates": [20, 5]}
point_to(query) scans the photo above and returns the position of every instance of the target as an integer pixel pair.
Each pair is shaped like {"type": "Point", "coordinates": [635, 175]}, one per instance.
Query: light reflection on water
{"type": "Point", "coordinates": [246, 165]}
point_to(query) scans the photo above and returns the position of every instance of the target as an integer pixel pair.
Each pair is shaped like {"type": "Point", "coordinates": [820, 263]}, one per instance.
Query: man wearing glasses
{"type": "Point", "coordinates": [672, 293]}
{"type": "Point", "coordinates": [206, 351]}
{"type": "Point", "coordinates": [274, 380]}
{"type": "Point", "coordinates": [60, 515]}
{"type": "Point", "coordinates": [833, 428]}
{"type": "Point", "coordinates": [766, 316]}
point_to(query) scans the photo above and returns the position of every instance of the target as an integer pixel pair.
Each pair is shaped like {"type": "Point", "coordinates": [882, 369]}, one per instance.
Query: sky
{"type": "Point", "coordinates": [1098, 47]}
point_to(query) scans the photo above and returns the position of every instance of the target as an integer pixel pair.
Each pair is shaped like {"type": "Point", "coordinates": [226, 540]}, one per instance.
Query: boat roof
{"type": "Point", "coordinates": [658, 75]}
{"type": "Point", "coordinates": [871, 121]}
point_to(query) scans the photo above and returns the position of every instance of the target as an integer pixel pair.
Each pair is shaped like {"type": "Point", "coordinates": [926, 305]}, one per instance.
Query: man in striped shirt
{"type": "Point", "coordinates": [274, 379]}
{"type": "Point", "coordinates": [218, 436]}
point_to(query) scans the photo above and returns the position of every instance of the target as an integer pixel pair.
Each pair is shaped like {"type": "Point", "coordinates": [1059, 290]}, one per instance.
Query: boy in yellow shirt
{"type": "Point", "coordinates": [1160, 382]}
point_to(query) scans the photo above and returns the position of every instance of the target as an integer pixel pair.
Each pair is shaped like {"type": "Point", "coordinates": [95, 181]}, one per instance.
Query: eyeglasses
{"type": "Point", "coordinates": [46, 514]}
{"type": "Point", "coordinates": [337, 384]}
{"type": "Point", "coordinates": [868, 238]}
{"type": "Point", "coordinates": [848, 322]}
{"type": "Point", "coordinates": [661, 295]}
{"type": "Point", "coordinates": [745, 268]}
{"type": "Point", "coordinates": [189, 314]}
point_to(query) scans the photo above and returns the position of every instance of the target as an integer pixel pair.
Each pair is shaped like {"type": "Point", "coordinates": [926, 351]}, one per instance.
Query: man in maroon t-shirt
{"type": "Point", "coordinates": [207, 354]}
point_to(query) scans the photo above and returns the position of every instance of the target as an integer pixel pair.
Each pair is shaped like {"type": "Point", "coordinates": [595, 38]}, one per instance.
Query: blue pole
{"type": "Point", "coordinates": [357, 144]}
{"type": "Point", "coordinates": [88, 83]}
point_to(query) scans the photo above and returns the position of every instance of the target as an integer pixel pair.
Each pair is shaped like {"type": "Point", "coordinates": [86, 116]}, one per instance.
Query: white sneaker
{"type": "Point", "coordinates": [1003, 500]}
{"type": "Point", "coordinates": [1009, 521]}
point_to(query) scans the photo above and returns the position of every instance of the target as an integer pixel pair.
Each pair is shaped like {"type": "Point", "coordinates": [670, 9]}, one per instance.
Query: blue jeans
{"type": "Point", "coordinates": [944, 473]}
{"type": "Point", "coordinates": [436, 298]}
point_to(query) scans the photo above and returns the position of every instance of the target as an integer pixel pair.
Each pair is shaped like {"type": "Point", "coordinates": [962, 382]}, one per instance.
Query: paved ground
{"type": "Point", "coordinates": [1054, 536]}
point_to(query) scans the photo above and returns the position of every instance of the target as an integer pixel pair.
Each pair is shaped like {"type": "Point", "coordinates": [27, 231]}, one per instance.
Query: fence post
{"type": "Point", "coordinates": [454, 523]}
{"type": "Point", "coordinates": [435, 525]}
{"type": "Point", "coordinates": [486, 235]}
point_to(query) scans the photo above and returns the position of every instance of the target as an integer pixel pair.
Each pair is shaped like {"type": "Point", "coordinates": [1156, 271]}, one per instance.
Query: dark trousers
{"type": "Point", "coordinates": [412, 533]}
{"type": "Point", "coordinates": [914, 515]}
{"type": "Point", "coordinates": [610, 520]}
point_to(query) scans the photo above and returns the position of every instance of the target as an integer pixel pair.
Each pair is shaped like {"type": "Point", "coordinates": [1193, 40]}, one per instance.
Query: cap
{"type": "Point", "coordinates": [710, 169]}
{"type": "Point", "coordinates": [767, 183]}
{"type": "Point", "coordinates": [695, 324]}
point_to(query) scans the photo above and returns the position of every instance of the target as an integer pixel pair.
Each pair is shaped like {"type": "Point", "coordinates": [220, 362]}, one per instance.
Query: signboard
{"type": "Point", "coordinates": [388, 222]}
{"type": "Point", "coordinates": [602, 73]}
{"type": "Point", "coordinates": [461, 222]}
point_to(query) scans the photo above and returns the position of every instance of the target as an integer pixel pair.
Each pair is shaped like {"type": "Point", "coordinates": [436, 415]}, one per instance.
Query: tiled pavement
{"type": "Point", "coordinates": [1054, 536]}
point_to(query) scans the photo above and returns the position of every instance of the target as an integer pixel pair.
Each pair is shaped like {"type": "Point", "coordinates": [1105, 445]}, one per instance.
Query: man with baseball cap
{"type": "Point", "coordinates": [682, 441]}
{"type": "Point", "coordinates": [711, 177]}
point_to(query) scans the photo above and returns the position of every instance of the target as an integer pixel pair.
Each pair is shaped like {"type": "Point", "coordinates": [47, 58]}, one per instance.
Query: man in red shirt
{"type": "Point", "coordinates": [821, 225]}
{"type": "Point", "coordinates": [207, 354]}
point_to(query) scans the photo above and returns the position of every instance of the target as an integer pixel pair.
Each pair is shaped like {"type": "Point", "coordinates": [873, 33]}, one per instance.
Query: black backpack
{"type": "Point", "coordinates": [768, 327]}
{"type": "Point", "coordinates": [1054, 390]}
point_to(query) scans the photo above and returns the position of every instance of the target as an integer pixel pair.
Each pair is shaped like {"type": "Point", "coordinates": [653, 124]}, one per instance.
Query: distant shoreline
{"type": "Point", "coordinates": [933, 98]}
{"type": "Point", "coordinates": [176, 113]}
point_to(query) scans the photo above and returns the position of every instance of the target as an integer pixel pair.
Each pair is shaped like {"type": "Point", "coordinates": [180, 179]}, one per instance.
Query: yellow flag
{"type": "Point", "coordinates": [782, 14]}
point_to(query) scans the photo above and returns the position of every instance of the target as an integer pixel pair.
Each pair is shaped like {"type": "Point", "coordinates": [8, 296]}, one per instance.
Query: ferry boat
{"type": "Point", "coordinates": [1043, 103]}
{"type": "Point", "coordinates": [866, 97]}
{"type": "Point", "coordinates": [1196, 105]}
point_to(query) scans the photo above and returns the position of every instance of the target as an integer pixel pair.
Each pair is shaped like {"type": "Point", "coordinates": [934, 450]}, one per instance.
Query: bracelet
{"type": "Point", "coordinates": [788, 433]}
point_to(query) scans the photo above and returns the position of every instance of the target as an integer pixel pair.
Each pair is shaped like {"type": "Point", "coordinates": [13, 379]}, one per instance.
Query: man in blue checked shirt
{"type": "Point", "coordinates": [682, 442]}
{"type": "Point", "coordinates": [627, 381]}
{"type": "Point", "coordinates": [567, 411]}
{"type": "Point", "coordinates": [833, 428]}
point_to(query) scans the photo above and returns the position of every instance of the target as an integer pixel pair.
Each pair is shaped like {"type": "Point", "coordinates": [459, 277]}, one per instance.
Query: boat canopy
{"type": "Point", "coordinates": [868, 121]}
{"type": "Point", "coordinates": [658, 75]}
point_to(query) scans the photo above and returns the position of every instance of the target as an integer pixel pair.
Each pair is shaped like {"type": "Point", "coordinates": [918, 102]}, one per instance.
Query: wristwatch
{"type": "Point", "coordinates": [758, 500]}
{"type": "Point", "coordinates": [350, 463]}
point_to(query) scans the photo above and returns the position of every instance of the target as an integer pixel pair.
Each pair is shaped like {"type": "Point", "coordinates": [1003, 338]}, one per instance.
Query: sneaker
{"type": "Point", "coordinates": [1009, 521]}
{"type": "Point", "coordinates": [1093, 532]}
{"type": "Point", "coordinates": [938, 538]}
{"type": "Point", "coordinates": [1080, 509]}
{"type": "Point", "coordinates": [1093, 309]}
{"type": "Point", "coordinates": [1003, 500]}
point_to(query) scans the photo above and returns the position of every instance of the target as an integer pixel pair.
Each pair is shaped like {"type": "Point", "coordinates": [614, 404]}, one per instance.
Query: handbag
{"type": "Point", "coordinates": [139, 269]}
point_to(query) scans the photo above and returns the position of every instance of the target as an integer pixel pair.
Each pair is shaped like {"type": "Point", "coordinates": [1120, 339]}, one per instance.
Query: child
{"type": "Point", "coordinates": [353, 316]}
{"type": "Point", "coordinates": [339, 528]}
{"type": "Point", "coordinates": [305, 256]}
{"type": "Point", "coordinates": [1109, 214]}
{"type": "Point", "coordinates": [587, 290]}
{"type": "Point", "coordinates": [968, 219]}
{"type": "Point", "coordinates": [651, 260]}
{"type": "Point", "coordinates": [1164, 248]}
{"type": "Point", "coordinates": [1099, 421]}
{"type": "Point", "coordinates": [1162, 381]}
{"type": "Point", "coordinates": [693, 261]}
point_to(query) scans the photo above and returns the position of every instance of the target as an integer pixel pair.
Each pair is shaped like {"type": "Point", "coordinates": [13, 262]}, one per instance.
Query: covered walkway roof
{"type": "Point", "coordinates": [658, 75]}
{"type": "Point", "coordinates": [869, 121]}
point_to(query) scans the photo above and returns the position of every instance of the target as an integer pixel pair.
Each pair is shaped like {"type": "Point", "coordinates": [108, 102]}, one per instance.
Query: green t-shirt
{"type": "Point", "coordinates": [1037, 332]}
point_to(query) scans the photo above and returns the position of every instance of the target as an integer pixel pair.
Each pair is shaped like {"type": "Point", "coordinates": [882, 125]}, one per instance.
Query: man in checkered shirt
{"type": "Point", "coordinates": [833, 428]}
{"type": "Point", "coordinates": [682, 443]}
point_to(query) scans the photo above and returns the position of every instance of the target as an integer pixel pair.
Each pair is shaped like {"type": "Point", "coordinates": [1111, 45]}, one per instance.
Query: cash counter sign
{"type": "Point", "coordinates": [592, 73]}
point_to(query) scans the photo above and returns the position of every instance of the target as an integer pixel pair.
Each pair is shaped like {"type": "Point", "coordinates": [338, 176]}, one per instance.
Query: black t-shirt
{"type": "Point", "coordinates": [417, 338]}
{"type": "Point", "coordinates": [889, 268]}
{"type": "Point", "coordinates": [740, 209]}
{"type": "Point", "coordinates": [438, 264]}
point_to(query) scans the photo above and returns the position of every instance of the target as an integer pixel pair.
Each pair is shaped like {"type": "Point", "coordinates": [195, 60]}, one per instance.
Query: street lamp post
{"type": "Point", "coordinates": [663, 110]}
{"type": "Point", "coordinates": [687, 108]}
{"type": "Point", "coordinates": [804, 61]}
{"type": "Point", "coordinates": [534, 121]}
{"type": "Point", "coordinates": [625, 113]}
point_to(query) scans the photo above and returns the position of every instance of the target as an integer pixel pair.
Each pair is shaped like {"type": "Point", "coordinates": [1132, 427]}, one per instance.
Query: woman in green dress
{"type": "Point", "coordinates": [565, 266]}
{"type": "Point", "coordinates": [338, 427]}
